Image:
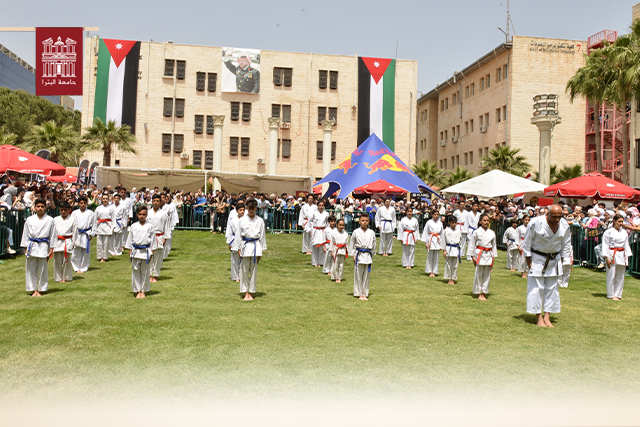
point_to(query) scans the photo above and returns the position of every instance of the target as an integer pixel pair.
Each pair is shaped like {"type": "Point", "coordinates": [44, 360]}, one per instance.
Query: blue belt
{"type": "Point", "coordinates": [455, 246]}
{"type": "Point", "coordinates": [85, 232]}
{"type": "Point", "coordinates": [511, 240]}
{"type": "Point", "coordinates": [473, 228]}
{"type": "Point", "coordinates": [32, 240]}
{"type": "Point", "coordinates": [362, 250]}
{"type": "Point", "coordinates": [140, 247]}
{"type": "Point", "coordinates": [119, 223]}
{"type": "Point", "coordinates": [255, 248]}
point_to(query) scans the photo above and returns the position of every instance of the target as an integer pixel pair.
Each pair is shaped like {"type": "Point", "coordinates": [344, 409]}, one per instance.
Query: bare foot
{"type": "Point", "coordinates": [541, 324]}
{"type": "Point", "coordinates": [410, 267]}
{"type": "Point", "coordinates": [237, 281]}
{"type": "Point", "coordinates": [142, 295]}
{"type": "Point", "coordinates": [615, 299]}
{"type": "Point", "coordinates": [62, 281]}
{"type": "Point", "coordinates": [338, 281]}
{"type": "Point", "coordinates": [365, 298]}
{"type": "Point", "coordinates": [432, 275]}
{"type": "Point", "coordinates": [250, 297]}
{"type": "Point", "coordinates": [34, 294]}
{"type": "Point", "coordinates": [308, 253]}
{"type": "Point", "coordinates": [102, 260]}
{"type": "Point", "coordinates": [450, 282]}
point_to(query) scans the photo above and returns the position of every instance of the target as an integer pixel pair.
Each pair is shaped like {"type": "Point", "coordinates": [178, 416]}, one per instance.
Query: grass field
{"type": "Point", "coordinates": [193, 332]}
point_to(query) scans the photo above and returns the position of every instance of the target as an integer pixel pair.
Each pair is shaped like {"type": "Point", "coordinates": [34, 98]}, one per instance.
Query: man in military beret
{"type": "Point", "coordinates": [247, 77]}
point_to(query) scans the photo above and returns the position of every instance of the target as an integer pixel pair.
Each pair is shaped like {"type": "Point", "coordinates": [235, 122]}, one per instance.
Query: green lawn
{"type": "Point", "coordinates": [194, 333]}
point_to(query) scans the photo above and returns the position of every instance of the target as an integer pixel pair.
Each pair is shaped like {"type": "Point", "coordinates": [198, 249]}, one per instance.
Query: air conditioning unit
{"type": "Point", "coordinates": [443, 143]}
{"type": "Point", "coordinates": [260, 161]}
{"type": "Point", "coordinates": [184, 156]}
{"type": "Point", "coordinates": [483, 129]}
{"type": "Point", "coordinates": [454, 139]}
{"type": "Point", "coordinates": [285, 125]}
{"type": "Point", "coordinates": [481, 163]}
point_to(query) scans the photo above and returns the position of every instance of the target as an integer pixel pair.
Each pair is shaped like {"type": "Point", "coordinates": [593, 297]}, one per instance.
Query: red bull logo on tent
{"type": "Point", "coordinates": [387, 163]}
{"type": "Point", "coordinates": [346, 164]}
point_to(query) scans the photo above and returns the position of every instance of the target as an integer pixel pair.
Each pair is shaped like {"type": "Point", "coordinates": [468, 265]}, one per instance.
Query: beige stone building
{"type": "Point", "coordinates": [490, 103]}
{"type": "Point", "coordinates": [310, 87]}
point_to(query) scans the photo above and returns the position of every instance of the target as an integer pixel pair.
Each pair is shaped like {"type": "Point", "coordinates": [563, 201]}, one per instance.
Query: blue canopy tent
{"type": "Point", "coordinates": [372, 161]}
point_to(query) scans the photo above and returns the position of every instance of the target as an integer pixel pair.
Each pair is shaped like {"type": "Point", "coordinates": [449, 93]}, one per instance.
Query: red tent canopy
{"type": "Point", "coordinates": [63, 178]}
{"type": "Point", "coordinates": [593, 185]}
{"type": "Point", "coordinates": [16, 160]}
{"type": "Point", "coordinates": [377, 187]}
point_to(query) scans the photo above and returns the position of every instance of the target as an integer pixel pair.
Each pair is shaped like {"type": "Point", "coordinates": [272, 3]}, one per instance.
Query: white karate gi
{"type": "Point", "coordinates": [141, 236]}
{"type": "Point", "coordinates": [231, 235]}
{"type": "Point", "coordinates": [82, 244]}
{"type": "Point", "coordinates": [471, 222]}
{"type": "Point", "coordinates": [66, 234]}
{"type": "Point", "coordinates": [567, 267]}
{"type": "Point", "coordinates": [172, 214]}
{"type": "Point", "coordinates": [327, 266]}
{"type": "Point", "coordinates": [615, 247]}
{"type": "Point", "coordinates": [482, 247]}
{"type": "Point", "coordinates": [408, 234]}
{"type": "Point", "coordinates": [362, 245]}
{"type": "Point", "coordinates": [386, 223]}
{"type": "Point", "coordinates": [37, 253]}
{"type": "Point", "coordinates": [118, 237]}
{"type": "Point", "coordinates": [451, 243]}
{"type": "Point", "coordinates": [543, 285]}
{"type": "Point", "coordinates": [461, 217]}
{"type": "Point", "coordinates": [250, 245]}
{"type": "Point", "coordinates": [303, 219]}
{"type": "Point", "coordinates": [162, 228]}
{"type": "Point", "coordinates": [104, 222]}
{"type": "Point", "coordinates": [339, 244]}
{"type": "Point", "coordinates": [520, 233]}
{"type": "Point", "coordinates": [510, 238]}
{"type": "Point", "coordinates": [431, 238]}
{"type": "Point", "coordinates": [316, 225]}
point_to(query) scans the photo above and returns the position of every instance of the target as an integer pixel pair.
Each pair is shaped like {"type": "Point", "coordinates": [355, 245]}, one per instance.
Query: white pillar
{"type": "Point", "coordinates": [326, 146]}
{"type": "Point", "coordinates": [544, 126]}
{"type": "Point", "coordinates": [274, 126]}
{"type": "Point", "coordinates": [218, 122]}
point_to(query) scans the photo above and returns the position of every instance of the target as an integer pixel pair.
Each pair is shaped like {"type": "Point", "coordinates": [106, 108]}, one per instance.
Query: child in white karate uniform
{"type": "Point", "coordinates": [85, 219]}
{"type": "Point", "coordinates": [66, 233]}
{"type": "Point", "coordinates": [327, 267]}
{"type": "Point", "coordinates": [408, 234]}
{"type": "Point", "coordinates": [510, 238]}
{"type": "Point", "coordinates": [318, 223]}
{"type": "Point", "coordinates": [105, 219]}
{"type": "Point", "coordinates": [451, 237]}
{"type": "Point", "coordinates": [250, 245]}
{"type": "Point", "coordinates": [362, 245]}
{"type": "Point", "coordinates": [521, 231]}
{"type": "Point", "coordinates": [483, 249]}
{"type": "Point", "coordinates": [339, 243]}
{"type": "Point", "coordinates": [616, 250]}
{"type": "Point", "coordinates": [231, 235]}
{"type": "Point", "coordinates": [39, 239]}
{"type": "Point", "coordinates": [431, 239]}
{"type": "Point", "coordinates": [141, 242]}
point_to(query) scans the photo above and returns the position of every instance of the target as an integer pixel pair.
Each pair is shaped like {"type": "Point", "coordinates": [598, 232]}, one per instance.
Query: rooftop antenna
{"type": "Point", "coordinates": [507, 34]}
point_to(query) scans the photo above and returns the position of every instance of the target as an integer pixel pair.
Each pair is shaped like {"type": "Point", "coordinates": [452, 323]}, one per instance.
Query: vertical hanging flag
{"type": "Point", "coordinates": [117, 82]}
{"type": "Point", "coordinates": [376, 99]}
{"type": "Point", "coordinates": [58, 61]}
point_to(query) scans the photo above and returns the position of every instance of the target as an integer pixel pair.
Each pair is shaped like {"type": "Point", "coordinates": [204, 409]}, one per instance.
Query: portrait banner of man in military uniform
{"type": "Point", "coordinates": [240, 70]}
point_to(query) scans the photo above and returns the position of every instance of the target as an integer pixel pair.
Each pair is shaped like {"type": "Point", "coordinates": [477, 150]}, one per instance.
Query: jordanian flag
{"type": "Point", "coordinates": [117, 82]}
{"type": "Point", "coordinates": [376, 99]}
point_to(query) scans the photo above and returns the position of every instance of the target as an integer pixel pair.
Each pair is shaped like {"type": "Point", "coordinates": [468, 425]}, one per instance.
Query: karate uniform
{"type": "Point", "coordinates": [451, 243]}
{"type": "Point", "coordinates": [66, 234]}
{"type": "Point", "coordinates": [37, 252]}
{"type": "Point", "coordinates": [172, 214]}
{"type": "Point", "coordinates": [82, 245]}
{"type": "Point", "coordinates": [303, 220]}
{"type": "Point", "coordinates": [362, 244]}
{"type": "Point", "coordinates": [520, 233]}
{"type": "Point", "coordinates": [231, 235]}
{"type": "Point", "coordinates": [104, 222]}
{"type": "Point", "coordinates": [542, 286]}
{"type": "Point", "coordinates": [327, 266]}
{"type": "Point", "coordinates": [386, 223]}
{"type": "Point", "coordinates": [141, 241]}
{"type": "Point", "coordinates": [162, 228]}
{"type": "Point", "coordinates": [408, 234]}
{"type": "Point", "coordinates": [615, 247]}
{"type": "Point", "coordinates": [250, 245]}
{"type": "Point", "coordinates": [510, 238]}
{"type": "Point", "coordinates": [117, 239]}
{"type": "Point", "coordinates": [316, 225]}
{"type": "Point", "coordinates": [567, 267]}
{"type": "Point", "coordinates": [461, 217]}
{"type": "Point", "coordinates": [471, 222]}
{"type": "Point", "coordinates": [482, 247]}
{"type": "Point", "coordinates": [339, 244]}
{"type": "Point", "coordinates": [431, 238]}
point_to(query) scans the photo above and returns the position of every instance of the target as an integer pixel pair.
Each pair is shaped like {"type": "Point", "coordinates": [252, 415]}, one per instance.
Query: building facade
{"type": "Point", "coordinates": [490, 103]}
{"type": "Point", "coordinates": [301, 89]}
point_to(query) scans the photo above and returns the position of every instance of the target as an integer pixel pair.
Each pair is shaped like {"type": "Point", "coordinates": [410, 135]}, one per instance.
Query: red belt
{"type": "Point", "coordinates": [339, 246]}
{"type": "Point", "coordinates": [103, 220]}
{"type": "Point", "coordinates": [482, 249]}
{"type": "Point", "coordinates": [431, 236]}
{"type": "Point", "coordinates": [65, 238]}
{"type": "Point", "coordinates": [615, 250]}
{"type": "Point", "coordinates": [314, 233]}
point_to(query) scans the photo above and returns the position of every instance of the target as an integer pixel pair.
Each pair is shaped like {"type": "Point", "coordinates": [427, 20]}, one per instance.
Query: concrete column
{"type": "Point", "coordinates": [274, 126]}
{"type": "Point", "coordinates": [544, 125]}
{"type": "Point", "coordinates": [327, 126]}
{"type": "Point", "coordinates": [218, 122]}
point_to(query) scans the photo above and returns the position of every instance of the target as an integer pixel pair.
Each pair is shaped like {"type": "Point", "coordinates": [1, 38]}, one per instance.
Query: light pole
{"type": "Point", "coordinates": [545, 117]}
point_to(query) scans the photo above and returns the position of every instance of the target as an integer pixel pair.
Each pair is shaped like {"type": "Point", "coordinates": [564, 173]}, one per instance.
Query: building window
{"type": "Point", "coordinates": [199, 124]}
{"type": "Point", "coordinates": [179, 107]}
{"type": "Point", "coordinates": [486, 119]}
{"type": "Point", "coordinates": [200, 78]}
{"type": "Point", "coordinates": [505, 71]}
{"type": "Point", "coordinates": [471, 125]}
{"type": "Point", "coordinates": [453, 161]}
{"type": "Point", "coordinates": [480, 153]}
{"type": "Point", "coordinates": [275, 111]}
{"type": "Point", "coordinates": [246, 111]}
{"type": "Point", "coordinates": [277, 76]}
{"type": "Point", "coordinates": [466, 128]}
{"type": "Point", "coordinates": [197, 159]}
{"type": "Point", "coordinates": [442, 105]}
{"type": "Point", "coordinates": [445, 163]}
{"type": "Point", "coordinates": [498, 114]}
{"type": "Point", "coordinates": [182, 69]}
{"type": "Point", "coordinates": [178, 143]}
{"type": "Point", "coordinates": [472, 89]}
{"type": "Point", "coordinates": [333, 114]}
{"type": "Point", "coordinates": [482, 84]}
{"type": "Point", "coordinates": [208, 160]}
{"type": "Point", "coordinates": [504, 113]}
{"type": "Point", "coordinates": [244, 146]}
{"type": "Point", "coordinates": [498, 75]}
{"type": "Point", "coordinates": [167, 110]}
{"type": "Point", "coordinates": [453, 132]}
{"type": "Point", "coordinates": [322, 79]}
{"type": "Point", "coordinates": [235, 110]}
{"type": "Point", "coordinates": [166, 142]}
{"type": "Point", "coordinates": [333, 80]}
{"type": "Point", "coordinates": [486, 151]}
{"type": "Point", "coordinates": [209, 125]}
{"type": "Point", "coordinates": [322, 114]}
{"type": "Point", "coordinates": [286, 148]}
{"type": "Point", "coordinates": [481, 119]}
{"type": "Point", "coordinates": [466, 159]}
{"type": "Point", "coordinates": [233, 145]}
{"type": "Point", "coordinates": [457, 159]}
{"type": "Point", "coordinates": [319, 150]}
{"type": "Point", "coordinates": [488, 81]}
{"type": "Point", "coordinates": [333, 150]}
{"type": "Point", "coordinates": [282, 76]}
{"type": "Point", "coordinates": [286, 114]}
{"type": "Point", "coordinates": [470, 157]}
{"type": "Point", "coordinates": [169, 65]}
{"type": "Point", "coordinates": [446, 103]}
{"type": "Point", "coordinates": [466, 92]}
{"type": "Point", "coordinates": [212, 81]}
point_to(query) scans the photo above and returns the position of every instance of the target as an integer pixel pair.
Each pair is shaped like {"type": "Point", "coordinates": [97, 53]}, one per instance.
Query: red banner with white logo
{"type": "Point", "coordinates": [59, 61]}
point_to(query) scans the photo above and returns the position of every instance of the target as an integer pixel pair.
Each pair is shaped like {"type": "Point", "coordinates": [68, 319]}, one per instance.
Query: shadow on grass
{"type": "Point", "coordinates": [256, 295]}
{"type": "Point", "coordinates": [164, 278]}
{"type": "Point", "coordinates": [599, 295]}
{"type": "Point", "coordinates": [531, 318]}
{"type": "Point", "coordinates": [150, 293]}
{"type": "Point", "coordinates": [351, 294]}
{"type": "Point", "coordinates": [53, 291]}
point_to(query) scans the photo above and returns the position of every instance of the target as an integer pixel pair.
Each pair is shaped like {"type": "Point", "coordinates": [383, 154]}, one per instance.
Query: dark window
{"type": "Point", "coordinates": [282, 76]}
{"type": "Point", "coordinates": [319, 150]}
{"type": "Point", "coordinates": [178, 143]}
{"type": "Point", "coordinates": [333, 114]}
{"type": "Point", "coordinates": [200, 77]}
{"type": "Point", "coordinates": [233, 145]}
{"type": "Point", "coordinates": [333, 79]}
{"type": "Point", "coordinates": [199, 122]}
{"type": "Point", "coordinates": [277, 76]}
{"type": "Point", "coordinates": [197, 158]}
{"type": "Point", "coordinates": [168, 107]}
{"type": "Point", "coordinates": [209, 125]}
{"type": "Point", "coordinates": [275, 110]}
{"type": "Point", "coordinates": [208, 160]}
{"type": "Point", "coordinates": [287, 78]}
{"type": "Point", "coordinates": [211, 84]}
{"type": "Point", "coordinates": [182, 69]}
{"type": "Point", "coordinates": [333, 150]}
{"type": "Point", "coordinates": [322, 81]}
{"type": "Point", "coordinates": [179, 107]}
{"type": "Point", "coordinates": [286, 148]}
{"type": "Point", "coordinates": [322, 114]}
{"type": "Point", "coordinates": [244, 146]}
{"type": "Point", "coordinates": [235, 110]}
{"type": "Point", "coordinates": [286, 113]}
{"type": "Point", "coordinates": [169, 64]}
{"type": "Point", "coordinates": [246, 111]}
{"type": "Point", "coordinates": [166, 142]}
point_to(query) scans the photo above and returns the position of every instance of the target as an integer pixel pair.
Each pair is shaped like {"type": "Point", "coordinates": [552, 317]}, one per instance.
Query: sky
{"type": "Point", "coordinates": [443, 36]}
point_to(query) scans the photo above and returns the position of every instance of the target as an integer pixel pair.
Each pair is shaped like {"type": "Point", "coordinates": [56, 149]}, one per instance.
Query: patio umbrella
{"type": "Point", "coordinates": [16, 160]}
{"type": "Point", "coordinates": [380, 187]}
{"type": "Point", "coordinates": [494, 184]}
{"type": "Point", "coordinates": [63, 178]}
{"type": "Point", "coordinates": [593, 185]}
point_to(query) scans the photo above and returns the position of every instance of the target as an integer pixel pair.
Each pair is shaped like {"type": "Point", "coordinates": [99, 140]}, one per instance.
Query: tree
{"type": "Point", "coordinates": [429, 173]}
{"type": "Point", "coordinates": [566, 173]}
{"type": "Point", "coordinates": [553, 172]}
{"type": "Point", "coordinates": [505, 159]}
{"type": "Point", "coordinates": [460, 174]}
{"type": "Point", "coordinates": [7, 138]}
{"type": "Point", "coordinates": [62, 141]}
{"type": "Point", "coordinates": [106, 137]}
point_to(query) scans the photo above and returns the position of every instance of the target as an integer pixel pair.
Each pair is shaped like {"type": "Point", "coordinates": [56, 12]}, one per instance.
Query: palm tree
{"type": "Point", "coordinates": [429, 173]}
{"type": "Point", "coordinates": [566, 173]}
{"type": "Point", "coordinates": [7, 138]}
{"type": "Point", "coordinates": [458, 175]}
{"type": "Point", "coordinates": [553, 172]}
{"type": "Point", "coordinates": [505, 159]}
{"type": "Point", "coordinates": [62, 141]}
{"type": "Point", "coordinates": [105, 137]}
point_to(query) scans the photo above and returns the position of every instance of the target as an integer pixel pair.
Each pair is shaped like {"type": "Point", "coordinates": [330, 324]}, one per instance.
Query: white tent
{"type": "Point", "coordinates": [494, 184]}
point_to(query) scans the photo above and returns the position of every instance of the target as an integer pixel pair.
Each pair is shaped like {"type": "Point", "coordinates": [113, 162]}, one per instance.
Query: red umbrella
{"type": "Point", "coordinates": [593, 185]}
{"type": "Point", "coordinates": [14, 159]}
{"type": "Point", "coordinates": [64, 178]}
{"type": "Point", "coordinates": [380, 187]}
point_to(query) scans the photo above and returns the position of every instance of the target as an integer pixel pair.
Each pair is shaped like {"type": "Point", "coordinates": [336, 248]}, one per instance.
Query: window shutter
{"type": "Point", "coordinates": [322, 114]}
{"type": "Point", "coordinates": [166, 142]}
{"type": "Point", "coordinates": [168, 107]}
{"type": "Point", "coordinates": [182, 69]}
{"type": "Point", "coordinates": [179, 107]}
{"type": "Point", "coordinates": [199, 121]}
{"type": "Point", "coordinates": [244, 147]}
{"type": "Point", "coordinates": [178, 143]}
{"type": "Point", "coordinates": [211, 84]}
{"type": "Point", "coordinates": [333, 79]}
{"type": "Point", "coordinates": [233, 145]}
{"type": "Point", "coordinates": [200, 77]}
{"type": "Point", "coordinates": [169, 65]}
{"type": "Point", "coordinates": [197, 158]}
{"type": "Point", "coordinates": [322, 79]}
{"type": "Point", "coordinates": [288, 76]}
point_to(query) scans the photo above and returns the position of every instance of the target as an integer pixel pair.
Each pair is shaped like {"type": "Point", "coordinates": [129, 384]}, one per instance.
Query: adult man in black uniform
{"type": "Point", "coordinates": [247, 78]}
